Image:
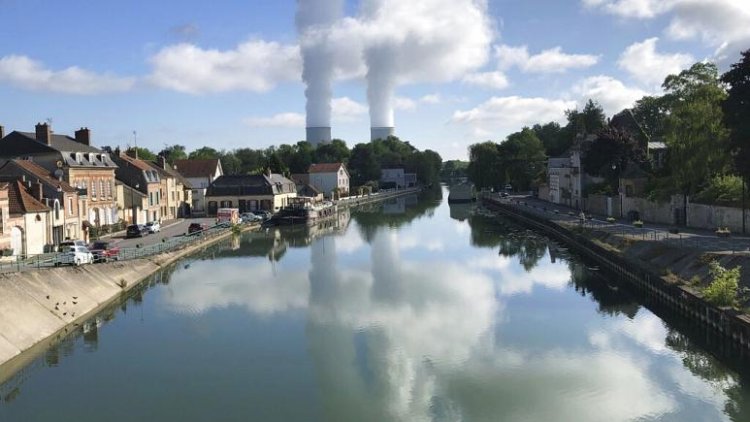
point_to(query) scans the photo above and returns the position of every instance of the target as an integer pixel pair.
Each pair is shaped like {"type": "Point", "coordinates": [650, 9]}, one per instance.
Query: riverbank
{"type": "Point", "coordinates": [648, 266]}
{"type": "Point", "coordinates": [42, 306]}
{"type": "Point", "coordinates": [39, 307]}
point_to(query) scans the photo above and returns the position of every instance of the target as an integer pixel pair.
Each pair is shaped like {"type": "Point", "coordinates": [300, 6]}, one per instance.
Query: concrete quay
{"type": "Point", "coordinates": [39, 307]}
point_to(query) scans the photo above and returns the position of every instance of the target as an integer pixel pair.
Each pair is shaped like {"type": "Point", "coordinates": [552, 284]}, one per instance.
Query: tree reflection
{"type": "Point", "coordinates": [406, 209]}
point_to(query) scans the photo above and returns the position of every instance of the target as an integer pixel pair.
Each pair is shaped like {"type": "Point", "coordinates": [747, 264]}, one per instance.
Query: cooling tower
{"type": "Point", "coordinates": [381, 132]}
{"type": "Point", "coordinates": [318, 135]}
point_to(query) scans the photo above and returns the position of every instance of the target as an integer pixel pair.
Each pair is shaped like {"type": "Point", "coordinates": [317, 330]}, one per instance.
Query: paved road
{"type": "Point", "coordinates": [691, 238]}
{"type": "Point", "coordinates": [176, 229]}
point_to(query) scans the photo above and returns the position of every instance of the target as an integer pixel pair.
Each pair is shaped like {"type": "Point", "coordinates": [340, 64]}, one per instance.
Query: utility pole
{"type": "Point", "coordinates": [135, 142]}
{"type": "Point", "coordinates": [744, 196]}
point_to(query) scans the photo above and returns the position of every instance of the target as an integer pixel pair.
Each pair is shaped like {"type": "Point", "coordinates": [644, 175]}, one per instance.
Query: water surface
{"type": "Point", "coordinates": [408, 311]}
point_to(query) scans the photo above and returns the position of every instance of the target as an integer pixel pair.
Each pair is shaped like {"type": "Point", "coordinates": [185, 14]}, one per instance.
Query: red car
{"type": "Point", "coordinates": [105, 251]}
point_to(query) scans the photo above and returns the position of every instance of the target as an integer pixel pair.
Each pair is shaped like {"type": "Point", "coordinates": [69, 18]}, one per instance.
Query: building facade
{"type": "Point", "coordinates": [74, 160]}
{"type": "Point", "coordinates": [199, 174]}
{"type": "Point", "coordinates": [65, 221]}
{"type": "Point", "coordinates": [140, 176]}
{"type": "Point", "coordinates": [268, 192]}
{"type": "Point", "coordinates": [329, 177]}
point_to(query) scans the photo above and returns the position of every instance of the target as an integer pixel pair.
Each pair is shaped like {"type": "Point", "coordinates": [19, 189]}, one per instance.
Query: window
{"type": "Point", "coordinates": [150, 198]}
{"type": "Point", "coordinates": [93, 189]}
{"type": "Point", "coordinates": [57, 209]}
{"type": "Point", "coordinates": [101, 187]}
{"type": "Point", "coordinates": [70, 205]}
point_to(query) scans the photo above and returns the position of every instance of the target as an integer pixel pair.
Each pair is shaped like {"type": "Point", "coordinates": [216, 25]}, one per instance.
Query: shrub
{"type": "Point", "coordinates": [236, 228]}
{"type": "Point", "coordinates": [721, 190]}
{"type": "Point", "coordinates": [724, 285]}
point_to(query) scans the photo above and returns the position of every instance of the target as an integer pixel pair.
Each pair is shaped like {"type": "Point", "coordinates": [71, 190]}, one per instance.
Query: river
{"type": "Point", "coordinates": [412, 310]}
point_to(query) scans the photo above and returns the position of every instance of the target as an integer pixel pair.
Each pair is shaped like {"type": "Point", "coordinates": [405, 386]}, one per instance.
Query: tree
{"type": "Point", "coordinates": [172, 153]}
{"type": "Point", "coordinates": [484, 165]}
{"type": "Point", "coordinates": [251, 160]}
{"type": "Point", "coordinates": [736, 109]}
{"type": "Point", "coordinates": [552, 137]}
{"type": "Point", "coordinates": [363, 165]}
{"type": "Point", "coordinates": [612, 151]}
{"type": "Point", "coordinates": [426, 165]}
{"type": "Point", "coordinates": [143, 153]}
{"type": "Point", "coordinates": [302, 158]}
{"type": "Point", "coordinates": [334, 152]}
{"type": "Point", "coordinates": [204, 153]}
{"type": "Point", "coordinates": [275, 164]}
{"type": "Point", "coordinates": [522, 158]}
{"type": "Point", "coordinates": [695, 133]}
{"type": "Point", "coordinates": [230, 164]}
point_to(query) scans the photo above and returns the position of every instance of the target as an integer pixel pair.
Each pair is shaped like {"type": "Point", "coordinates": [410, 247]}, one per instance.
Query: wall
{"type": "Point", "coordinates": [713, 216]}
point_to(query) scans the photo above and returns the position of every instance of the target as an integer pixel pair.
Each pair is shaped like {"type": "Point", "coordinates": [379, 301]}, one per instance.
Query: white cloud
{"type": "Point", "coordinates": [552, 60]}
{"type": "Point", "coordinates": [405, 104]}
{"type": "Point", "coordinates": [345, 109]}
{"type": "Point", "coordinates": [431, 99]}
{"type": "Point", "coordinates": [611, 93]}
{"type": "Point", "coordinates": [514, 112]}
{"type": "Point", "coordinates": [492, 80]}
{"type": "Point", "coordinates": [256, 66]}
{"type": "Point", "coordinates": [288, 120]}
{"type": "Point", "coordinates": [630, 8]}
{"type": "Point", "coordinates": [23, 72]}
{"type": "Point", "coordinates": [722, 24]}
{"type": "Point", "coordinates": [646, 65]}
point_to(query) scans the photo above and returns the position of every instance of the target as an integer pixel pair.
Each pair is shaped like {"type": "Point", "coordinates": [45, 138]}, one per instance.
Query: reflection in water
{"type": "Point", "coordinates": [400, 319]}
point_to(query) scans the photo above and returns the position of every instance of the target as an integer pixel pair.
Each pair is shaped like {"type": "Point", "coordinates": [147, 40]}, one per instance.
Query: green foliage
{"type": "Point", "coordinates": [602, 188]}
{"type": "Point", "coordinates": [695, 133]}
{"type": "Point", "coordinates": [484, 165]}
{"type": "Point", "coordinates": [610, 154]}
{"type": "Point", "coordinates": [724, 285]}
{"type": "Point", "coordinates": [143, 153]}
{"type": "Point", "coordinates": [736, 111]}
{"type": "Point", "coordinates": [721, 190]}
{"type": "Point", "coordinates": [555, 139]}
{"type": "Point", "coordinates": [519, 160]}
{"type": "Point", "coordinates": [363, 165]}
{"type": "Point", "coordinates": [204, 153]}
{"type": "Point", "coordinates": [334, 152]}
{"type": "Point", "coordinates": [454, 168]}
{"type": "Point", "coordinates": [172, 153]}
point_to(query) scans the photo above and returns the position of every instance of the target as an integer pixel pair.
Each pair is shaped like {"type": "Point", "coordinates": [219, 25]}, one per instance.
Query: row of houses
{"type": "Point", "coordinates": [56, 187]}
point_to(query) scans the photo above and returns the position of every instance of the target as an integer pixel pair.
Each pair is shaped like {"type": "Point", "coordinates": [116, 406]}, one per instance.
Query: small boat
{"type": "Point", "coordinates": [302, 211]}
{"type": "Point", "coordinates": [462, 193]}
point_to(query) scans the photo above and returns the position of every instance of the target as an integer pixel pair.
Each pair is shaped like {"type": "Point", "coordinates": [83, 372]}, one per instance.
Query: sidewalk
{"type": "Point", "coordinates": [686, 237]}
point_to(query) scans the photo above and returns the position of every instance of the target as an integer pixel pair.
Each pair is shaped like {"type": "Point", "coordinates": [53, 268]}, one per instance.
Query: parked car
{"type": "Point", "coordinates": [136, 230]}
{"type": "Point", "coordinates": [504, 194]}
{"type": "Point", "coordinates": [74, 255]}
{"type": "Point", "coordinates": [265, 215]}
{"type": "Point", "coordinates": [153, 227]}
{"type": "Point", "coordinates": [105, 251]}
{"type": "Point", "coordinates": [69, 243]}
{"type": "Point", "coordinates": [249, 217]}
{"type": "Point", "coordinates": [196, 228]}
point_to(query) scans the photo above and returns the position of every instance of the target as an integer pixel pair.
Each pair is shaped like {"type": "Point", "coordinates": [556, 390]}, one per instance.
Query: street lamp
{"type": "Point", "coordinates": [619, 188]}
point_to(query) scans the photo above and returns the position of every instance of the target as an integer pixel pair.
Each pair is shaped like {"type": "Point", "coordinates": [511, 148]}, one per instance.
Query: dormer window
{"type": "Point", "coordinates": [79, 158]}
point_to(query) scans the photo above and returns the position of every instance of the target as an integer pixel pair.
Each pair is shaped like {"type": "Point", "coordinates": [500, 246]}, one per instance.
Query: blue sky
{"type": "Point", "coordinates": [227, 74]}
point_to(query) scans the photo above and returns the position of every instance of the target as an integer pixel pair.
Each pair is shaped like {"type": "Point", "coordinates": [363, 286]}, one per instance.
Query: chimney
{"type": "Point", "coordinates": [83, 136]}
{"type": "Point", "coordinates": [43, 133]}
{"type": "Point", "coordinates": [2, 132]}
{"type": "Point", "coordinates": [161, 161]}
{"type": "Point", "coordinates": [38, 191]}
{"type": "Point", "coordinates": [268, 172]}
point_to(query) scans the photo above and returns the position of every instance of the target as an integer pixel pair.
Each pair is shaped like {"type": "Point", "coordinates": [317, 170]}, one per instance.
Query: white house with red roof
{"type": "Point", "coordinates": [327, 177]}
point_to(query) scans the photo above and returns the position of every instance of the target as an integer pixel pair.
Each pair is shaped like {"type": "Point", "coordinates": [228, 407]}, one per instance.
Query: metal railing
{"type": "Point", "coordinates": [570, 220]}
{"type": "Point", "coordinates": [51, 260]}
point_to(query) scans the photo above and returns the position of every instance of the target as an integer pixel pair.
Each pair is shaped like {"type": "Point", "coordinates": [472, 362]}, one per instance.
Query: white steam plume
{"type": "Point", "coordinates": [314, 20]}
{"type": "Point", "coordinates": [417, 41]}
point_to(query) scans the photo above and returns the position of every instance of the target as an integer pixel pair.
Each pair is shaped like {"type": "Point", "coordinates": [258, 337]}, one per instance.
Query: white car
{"type": "Point", "coordinates": [153, 227]}
{"type": "Point", "coordinates": [74, 255]}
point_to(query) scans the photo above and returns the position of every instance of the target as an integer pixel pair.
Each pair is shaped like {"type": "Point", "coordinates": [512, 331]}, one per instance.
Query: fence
{"type": "Point", "coordinates": [50, 260]}
{"type": "Point", "coordinates": [692, 241]}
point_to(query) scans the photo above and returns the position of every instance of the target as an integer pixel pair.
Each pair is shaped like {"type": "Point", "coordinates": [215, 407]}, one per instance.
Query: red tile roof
{"type": "Point", "coordinates": [43, 174]}
{"type": "Point", "coordinates": [325, 167]}
{"type": "Point", "coordinates": [197, 168]}
{"type": "Point", "coordinates": [21, 202]}
{"type": "Point", "coordinates": [137, 163]}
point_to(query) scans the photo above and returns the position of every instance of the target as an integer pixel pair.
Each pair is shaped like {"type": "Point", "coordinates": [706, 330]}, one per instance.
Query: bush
{"type": "Point", "coordinates": [721, 190]}
{"type": "Point", "coordinates": [724, 285]}
{"type": "Point", "coordinates": [236, 228]}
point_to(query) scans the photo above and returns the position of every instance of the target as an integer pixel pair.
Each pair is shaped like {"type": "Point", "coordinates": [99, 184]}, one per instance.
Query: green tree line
{"type": "Point", "coordinates": [364, 161]}
{"type": "Point", "coordinates": [702, 116]}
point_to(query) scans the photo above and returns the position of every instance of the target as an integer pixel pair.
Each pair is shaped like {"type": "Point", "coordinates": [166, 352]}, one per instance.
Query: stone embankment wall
{"type": "Point", "coordinates": [644, 267]}
{"type": "Point", "coordinates": [699, 216]}
{"type": "Point", "coordinates": [39, 305]}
